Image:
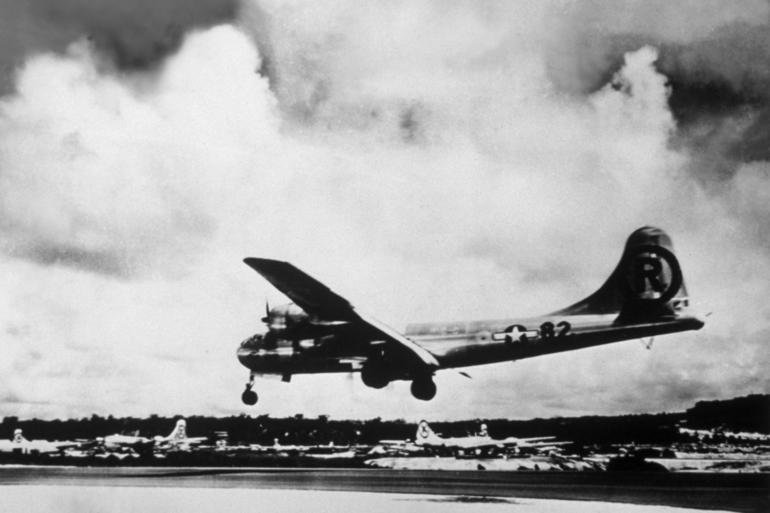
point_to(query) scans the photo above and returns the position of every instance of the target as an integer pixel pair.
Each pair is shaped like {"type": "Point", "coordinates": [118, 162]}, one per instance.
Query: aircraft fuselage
{"type": "Point", "coordinates": [458, 344]}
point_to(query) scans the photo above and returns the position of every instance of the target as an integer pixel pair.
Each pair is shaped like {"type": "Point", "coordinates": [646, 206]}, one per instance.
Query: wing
{"type": "Point", "coordinates": [320, 301]}
{"type": "Point", "coordinates": [527, 442]}
{"type": "Point", "coordinates": [389, 334]}
{"type": "Point", "coordinates": [308, 293]}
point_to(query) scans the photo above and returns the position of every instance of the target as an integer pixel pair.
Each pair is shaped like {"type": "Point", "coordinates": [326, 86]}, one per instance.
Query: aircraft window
{"type": "Point", "coordinates": [252, 341]}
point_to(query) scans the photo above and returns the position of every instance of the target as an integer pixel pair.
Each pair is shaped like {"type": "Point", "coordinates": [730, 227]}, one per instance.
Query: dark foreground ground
{"type": "Point", "coordinates": [732, 492]}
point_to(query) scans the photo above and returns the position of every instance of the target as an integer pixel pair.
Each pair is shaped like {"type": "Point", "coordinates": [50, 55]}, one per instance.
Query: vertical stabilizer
{"type": "Point", "coordinates": [18, 437]}
{"type": "Point", "coordinates": [647, 283]}
{"type": "Point", "coordinates": [424, 434]}
{"type": "Point", "coordinates": [179, 434]}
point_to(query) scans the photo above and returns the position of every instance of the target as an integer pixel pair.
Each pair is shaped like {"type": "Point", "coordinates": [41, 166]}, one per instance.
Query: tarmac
{"type": "Point", "coordinates": [149, 489]}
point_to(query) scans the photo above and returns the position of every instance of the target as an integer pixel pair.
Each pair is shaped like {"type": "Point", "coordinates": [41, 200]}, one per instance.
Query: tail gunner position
{"type": "Point", "coordinates": [320, 331]}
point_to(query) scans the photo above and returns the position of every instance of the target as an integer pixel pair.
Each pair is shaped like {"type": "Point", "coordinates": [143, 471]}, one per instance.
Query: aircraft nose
{"type": "Point", "coordinates": [248, 349]}
{"type": "Point", "coordinates": [244, 355]}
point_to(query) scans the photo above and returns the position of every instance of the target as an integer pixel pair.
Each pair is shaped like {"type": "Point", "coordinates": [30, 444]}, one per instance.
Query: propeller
{"type": "Point", "coordinates": [266, 318]}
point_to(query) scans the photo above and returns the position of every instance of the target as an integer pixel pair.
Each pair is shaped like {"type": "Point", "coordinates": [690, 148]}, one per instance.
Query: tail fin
{"type": "Point", "coordinates": [179, 432]}
{"type": "Point", "coordinates": [424, 433]}
{"type": "Point", "coordinates": [18, 436]}
{"type": "Point", "coordinates": [647, 284]}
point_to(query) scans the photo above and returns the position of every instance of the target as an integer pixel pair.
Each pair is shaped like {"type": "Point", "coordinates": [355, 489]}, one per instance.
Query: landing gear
{"type": "Point", "coordinates": [249, 396]}
{"type": "Point", "coordinates": [374, 377]}
{"type": "Point", "coordinates": [423, 388]}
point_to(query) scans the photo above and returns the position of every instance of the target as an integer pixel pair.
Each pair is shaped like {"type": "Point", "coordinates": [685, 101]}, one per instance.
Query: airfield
{"type": "Point", "coordinates": [33, 489]}
{"type": "Point", "coordinates": [326, 465]}
{"type": "Point", "coordinates": [718, 454]}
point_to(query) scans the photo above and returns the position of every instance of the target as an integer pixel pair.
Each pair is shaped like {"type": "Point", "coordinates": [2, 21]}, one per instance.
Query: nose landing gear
{"type": "Point", "coordinates": [249, 396]}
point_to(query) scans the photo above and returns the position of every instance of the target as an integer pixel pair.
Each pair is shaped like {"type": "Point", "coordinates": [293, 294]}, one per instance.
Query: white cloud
{"type": "Point", "coordinates": [434, 176]}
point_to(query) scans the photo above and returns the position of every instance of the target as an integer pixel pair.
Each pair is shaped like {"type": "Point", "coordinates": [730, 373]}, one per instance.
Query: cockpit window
{"type": "Point", "coordinates": [252, 342]}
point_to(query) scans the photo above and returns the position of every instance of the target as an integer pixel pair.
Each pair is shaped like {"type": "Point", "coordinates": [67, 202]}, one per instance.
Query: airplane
{"type": "Point", "coordinates": [21, 445]}
{"type": "Point", "coordinates": [428, 439]}
{"type": "Point", "coordinates": [279, 448]}
{"type": "Point", "coordinates": [745, 436]}
{"type": "Point", "coordinates": [322, 332]}
{"type": "Point", "coordinates": [712, 434]}
{"type": "Point", "coordinates": [119, 441]}
{"type": "Point", "coordinates": [398, 447]}
{"type": "Point", "coordinates": [178, 438]}
{"type": "Point", "coordinates": [316, 451]}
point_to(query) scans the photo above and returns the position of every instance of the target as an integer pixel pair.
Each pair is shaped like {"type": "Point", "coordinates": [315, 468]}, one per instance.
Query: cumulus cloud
{"type": "Point", "coordinates": [135, 35]}
{"type": "Point", "coordinates": [716, 56]}
{"type": "Point", "coordinates": [420, 158]}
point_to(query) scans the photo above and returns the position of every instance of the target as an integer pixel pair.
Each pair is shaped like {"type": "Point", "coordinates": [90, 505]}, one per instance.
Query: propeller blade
{"type": "Point", "coordinates": [266, 318]}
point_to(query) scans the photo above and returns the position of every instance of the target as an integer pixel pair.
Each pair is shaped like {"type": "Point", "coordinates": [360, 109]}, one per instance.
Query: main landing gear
{"type": "Point", "coordinates": [249, 396]}
{"type": "Point", "coordinates": [423, 388]}
{"type": "Point", "coordinates": [375, 376]}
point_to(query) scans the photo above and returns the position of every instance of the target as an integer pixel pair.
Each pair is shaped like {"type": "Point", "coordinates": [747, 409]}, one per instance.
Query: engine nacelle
{"type": "Point", "coordinates": [284, 317]}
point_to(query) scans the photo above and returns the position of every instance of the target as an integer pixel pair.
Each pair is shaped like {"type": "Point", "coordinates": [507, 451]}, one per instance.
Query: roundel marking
{"type": "Point", "coordinates": [653, 274]}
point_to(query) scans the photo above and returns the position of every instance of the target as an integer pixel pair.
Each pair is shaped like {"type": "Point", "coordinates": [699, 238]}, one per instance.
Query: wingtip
{"type": "Point", "coordinates": [254, 261]}
{"type": "Point", "coordinates": [257, 264]}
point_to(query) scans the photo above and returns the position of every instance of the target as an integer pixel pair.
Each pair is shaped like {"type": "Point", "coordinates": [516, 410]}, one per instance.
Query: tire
{"type": "Point", "coordinates": [249, 397]}
{"type": "Point", "coordinates": [424, 389]}
{"type": "Point", "coordinates": [373, 377]}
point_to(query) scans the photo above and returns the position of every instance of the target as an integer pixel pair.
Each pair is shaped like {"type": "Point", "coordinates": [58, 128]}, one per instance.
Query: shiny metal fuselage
{"type": "Point", "coordinates": [457, 344]}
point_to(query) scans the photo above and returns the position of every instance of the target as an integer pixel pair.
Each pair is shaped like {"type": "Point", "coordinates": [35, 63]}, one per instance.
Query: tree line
{"type": "Point", "coordinates": [750, 413]}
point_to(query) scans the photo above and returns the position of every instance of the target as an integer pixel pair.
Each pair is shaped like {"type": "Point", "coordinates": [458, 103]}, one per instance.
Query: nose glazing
{"type": "Point", "coordinates": [249, 348]}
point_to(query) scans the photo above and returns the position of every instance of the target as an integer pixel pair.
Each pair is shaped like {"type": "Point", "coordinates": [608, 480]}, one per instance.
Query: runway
{"type": "Point", "coordinates": [373, 489]}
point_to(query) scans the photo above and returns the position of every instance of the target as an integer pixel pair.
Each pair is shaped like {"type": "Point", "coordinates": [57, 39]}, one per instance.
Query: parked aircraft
{"type": "Point", "coordinates": [481, 442]}
{"type": "Point", "coordinates": [712, 434]}
{"type": "Point", "coordinates": [120, 441]}
{"type": "Point", "coordinates": [178, 438]}
{"type": "Point", "coordinates": [319, 451]}
{"type": "Point", "coordinates": [277, 448]}
{"type": "Point", "coordinates": [745, 436]}
{"type": "Point", "coordinates": [21, 445]}
{"type": "Point", "coordinates": [396, 447]}
{"type": "Point", "coordinates": [321, 332]}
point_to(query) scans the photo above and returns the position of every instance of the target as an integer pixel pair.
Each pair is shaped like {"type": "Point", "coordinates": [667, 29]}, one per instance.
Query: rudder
{"type": "Point", "coordinates": [424, 432]}
{"type": "Point", "coordinates": [647, 283]}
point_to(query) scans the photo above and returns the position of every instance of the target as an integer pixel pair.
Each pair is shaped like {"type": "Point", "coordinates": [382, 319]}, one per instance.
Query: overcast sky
{"type": "Point", "coordinates": [429, 160]}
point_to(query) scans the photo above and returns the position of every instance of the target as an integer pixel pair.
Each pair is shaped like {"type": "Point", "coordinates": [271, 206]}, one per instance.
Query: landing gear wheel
{"type": "Point", "coordinates": [373, 377]}
{"type": "Point", "coordinates": [249, 397]}
{"type": "Point", "coordinates": [424, 388]}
